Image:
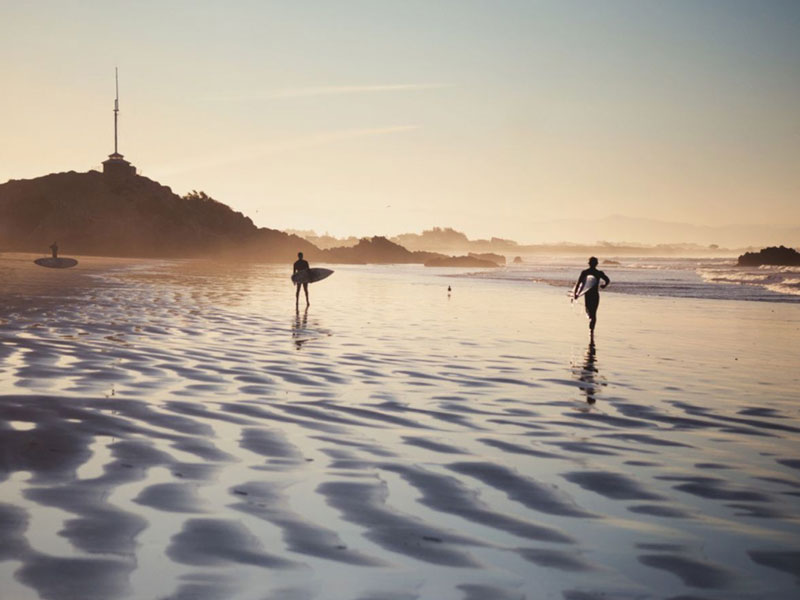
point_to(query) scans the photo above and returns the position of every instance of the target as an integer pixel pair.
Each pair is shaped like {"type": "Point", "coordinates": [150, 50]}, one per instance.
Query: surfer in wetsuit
{"type": "Point", "coordinates": [54, 249]}
{"type": "Point", "coordinates": [592, 297]}
{"type": "Point", "coordinates": [300, 265]}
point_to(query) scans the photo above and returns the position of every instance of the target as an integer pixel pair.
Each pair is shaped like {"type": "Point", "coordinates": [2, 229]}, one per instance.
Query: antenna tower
{"type": "Point", "coordinates": [116, 107]}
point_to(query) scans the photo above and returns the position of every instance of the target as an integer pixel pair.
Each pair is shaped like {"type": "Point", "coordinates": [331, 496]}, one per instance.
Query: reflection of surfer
{"type": "Point", "coordinates": [299, 327]}
{"type": "Point", "coordinates": [54, 249]}
{"type": "Point", "coordinates": [301, 265]}
{"type": "Point", "coordinates": [588, 373]}
{"type": "Point", "coordinates": [592, 296]}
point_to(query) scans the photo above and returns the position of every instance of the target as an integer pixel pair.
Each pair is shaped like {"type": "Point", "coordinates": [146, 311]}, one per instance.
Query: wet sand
{"type": "Point", "coordinates": [177, 430]}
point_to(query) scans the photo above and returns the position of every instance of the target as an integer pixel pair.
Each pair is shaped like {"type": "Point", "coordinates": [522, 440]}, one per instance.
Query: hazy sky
{"type": "Point", "coordinates": [378, 117]}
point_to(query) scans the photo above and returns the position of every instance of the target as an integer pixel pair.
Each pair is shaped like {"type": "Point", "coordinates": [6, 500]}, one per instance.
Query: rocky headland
{"type": "Point", "coordinates": [91, 213]}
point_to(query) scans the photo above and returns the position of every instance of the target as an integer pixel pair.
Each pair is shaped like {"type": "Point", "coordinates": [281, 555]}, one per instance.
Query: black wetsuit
{"type": "Point", "coordinates": [592, 297]}
{"type": "Point", "coordinates": [301, 265]}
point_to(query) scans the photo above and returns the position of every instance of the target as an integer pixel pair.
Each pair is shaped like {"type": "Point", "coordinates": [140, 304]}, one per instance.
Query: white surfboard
{"type": "Point", "coordinates": [589, 283]}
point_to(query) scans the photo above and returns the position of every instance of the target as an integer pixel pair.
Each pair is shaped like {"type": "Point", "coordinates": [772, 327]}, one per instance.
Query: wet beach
{"type": "Point", "coordinates": [176, 429]}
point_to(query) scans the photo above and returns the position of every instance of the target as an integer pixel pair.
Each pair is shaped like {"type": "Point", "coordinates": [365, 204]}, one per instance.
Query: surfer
{"type": "Point", "coordinates": [592, 296]}
{"type": "Point", "coordinates": [54, 249]}
{"type": "Point", "coordinates": [301, 265]}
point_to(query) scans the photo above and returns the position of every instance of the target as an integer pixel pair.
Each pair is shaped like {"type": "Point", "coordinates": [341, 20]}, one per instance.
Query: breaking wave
{"type": "Point", "coordinates": [719, 279]}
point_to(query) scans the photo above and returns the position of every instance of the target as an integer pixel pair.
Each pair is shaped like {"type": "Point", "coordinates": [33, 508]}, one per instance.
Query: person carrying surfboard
{"type": "Point", "coordinates": [301, 265]}
{"type": "Point", "coordinates": [588, 286]}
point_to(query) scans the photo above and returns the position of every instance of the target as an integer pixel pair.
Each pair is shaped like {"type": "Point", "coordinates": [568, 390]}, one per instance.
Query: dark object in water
{"type": "Point", "coordinates": [771, 256]}
{"type": "Point", "coordinates": [56, 263]}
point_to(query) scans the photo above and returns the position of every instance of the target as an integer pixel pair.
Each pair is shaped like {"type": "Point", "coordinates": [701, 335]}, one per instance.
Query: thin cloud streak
{"type": "Point", "coordinates": [337, 90]}
{"type": "Point", "coordinates": [257, 151]}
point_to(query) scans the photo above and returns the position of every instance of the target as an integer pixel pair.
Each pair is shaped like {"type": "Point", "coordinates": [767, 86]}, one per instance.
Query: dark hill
{"type": "Point", "coordinates": [375, 250]}
{"type": "Point", "coordinates": [90, 213]}
{"type": "Point", "coordinates": [461, 261]}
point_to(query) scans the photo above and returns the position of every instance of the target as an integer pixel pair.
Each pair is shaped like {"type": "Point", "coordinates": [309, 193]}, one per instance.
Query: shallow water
{"type": "Point", "coordinates": [701, 278]}
{"type": "Point", "coordinates": [178, 430]}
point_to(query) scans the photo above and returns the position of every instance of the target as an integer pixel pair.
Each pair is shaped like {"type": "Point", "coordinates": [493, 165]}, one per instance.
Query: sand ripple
{"type": "Point", "coordinates": [179, 431]}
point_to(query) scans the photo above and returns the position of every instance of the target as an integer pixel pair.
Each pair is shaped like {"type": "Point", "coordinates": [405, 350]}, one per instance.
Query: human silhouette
{"type": "Point", "coordinates": [54, 249]}
{"type": "Point", "coordinates": [592, 297]}
{"type": "Point", "coordinates": [301, 265]}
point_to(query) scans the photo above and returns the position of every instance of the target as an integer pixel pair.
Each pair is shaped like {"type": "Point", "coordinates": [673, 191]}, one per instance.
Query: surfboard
{"type": "Point", "coordinates": [311, 275]}
{"type": "Point", "coordinates": [588, 284]}
{"type": "Point", "coordinates": [56, 263]}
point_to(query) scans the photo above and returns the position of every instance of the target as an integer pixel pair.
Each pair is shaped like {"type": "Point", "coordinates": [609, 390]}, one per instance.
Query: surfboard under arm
{"type": "Point", "coordinates": [311, 275]}
{"type": "Point", "coordinates": [589, 283]}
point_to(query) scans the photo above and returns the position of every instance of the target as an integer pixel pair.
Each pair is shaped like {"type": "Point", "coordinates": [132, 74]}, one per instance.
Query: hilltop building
{"type": "Point", "coordinates": [117, 167]}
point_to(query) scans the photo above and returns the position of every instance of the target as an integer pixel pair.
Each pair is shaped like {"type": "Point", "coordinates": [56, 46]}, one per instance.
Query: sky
{"type": "Point", "coordinates": [371, 117]}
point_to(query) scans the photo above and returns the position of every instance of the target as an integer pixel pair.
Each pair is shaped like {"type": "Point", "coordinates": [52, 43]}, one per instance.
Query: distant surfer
{"type": "Point", "coordinates": [54, 249]}
{"type": "Point", "coordinates": [591, 276]}
{"type": "Point", "coordinates": [301, 265]}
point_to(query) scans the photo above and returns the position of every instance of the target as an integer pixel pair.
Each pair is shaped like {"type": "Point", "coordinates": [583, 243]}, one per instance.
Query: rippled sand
{"type": "Point", "coordinates": [176, 430]}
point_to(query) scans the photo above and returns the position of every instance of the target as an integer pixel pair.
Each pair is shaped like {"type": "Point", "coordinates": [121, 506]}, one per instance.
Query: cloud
{"type": "Point", "coordinates": [257, 151]}
{"type": "Point", "coordinates": [335, 90]}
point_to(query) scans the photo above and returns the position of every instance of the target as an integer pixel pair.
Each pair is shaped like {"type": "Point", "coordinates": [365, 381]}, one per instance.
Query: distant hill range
{"type": "Point", "coordinates": [445, 240]}
{"type": "Point", "coordinates": [97, 214]}
{"type": "Point", "coordinates": [629, 230]}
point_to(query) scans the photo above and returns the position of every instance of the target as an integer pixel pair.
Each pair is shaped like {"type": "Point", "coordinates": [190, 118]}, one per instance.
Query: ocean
{"type": "Point", "coordinates": [709, 278]}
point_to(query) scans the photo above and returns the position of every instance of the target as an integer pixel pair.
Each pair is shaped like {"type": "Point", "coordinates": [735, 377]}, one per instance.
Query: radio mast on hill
{"type": "Point", "coordinates": [116, 166]}
{"type": "Point", "coordinates": [116, 106]}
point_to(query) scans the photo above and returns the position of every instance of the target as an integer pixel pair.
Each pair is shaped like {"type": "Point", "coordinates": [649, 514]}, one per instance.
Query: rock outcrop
{"type": "Point", "coordinates": [497, 259]}
{"type": "Point", "coordinates": [375, 250]}
{"type": "Point", "coordinates": [774, 255]}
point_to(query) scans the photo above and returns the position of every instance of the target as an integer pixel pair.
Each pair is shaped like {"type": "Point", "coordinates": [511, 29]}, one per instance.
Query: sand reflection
{"type": "Point", "coordinates": [299, 325]}
{"type": "Point", "coordinates": [589, 373]}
